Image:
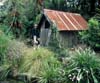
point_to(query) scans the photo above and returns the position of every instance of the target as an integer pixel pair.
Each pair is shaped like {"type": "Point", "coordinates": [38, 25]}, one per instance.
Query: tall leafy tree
{"type": "Point", "coordinates": [80, 6]}
{"type": "Point", "coordinates": [22, 14]}
{"type": "Point", "coordinates": [92, 36]}
{"type": "Point", "coordinates": [55, 4]}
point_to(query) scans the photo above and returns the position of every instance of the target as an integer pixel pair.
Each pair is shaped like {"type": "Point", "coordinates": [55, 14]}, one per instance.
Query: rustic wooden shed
{"type": "Point", "coordinates": [68, 25]}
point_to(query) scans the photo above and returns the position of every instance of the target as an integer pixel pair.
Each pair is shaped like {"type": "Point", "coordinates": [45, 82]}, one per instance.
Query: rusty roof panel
{"type": "Point", "coordinates": [66, 21]}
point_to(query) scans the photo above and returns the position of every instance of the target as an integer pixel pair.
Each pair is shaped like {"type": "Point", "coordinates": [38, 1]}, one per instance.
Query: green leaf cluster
{"type": "Point", "coordinates": [92, 35]}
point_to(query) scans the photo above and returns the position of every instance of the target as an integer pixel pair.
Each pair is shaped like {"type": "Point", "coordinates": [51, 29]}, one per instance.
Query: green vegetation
{"type": "Point", "coordinates": [52, 64]}
{"type": "Point", "coordinates": [4, 66]}
{"type": "Point", "coordinates": [54, 43]}
{"type": "Point", "coordinates": [92, 35]}
{"type": "Point", "coordinates": [41, 64]}
{"type": "Point", "coordinates": [56, 4]}
{"type": "Point", "coordinates": [20, 17]}
{"type": "Point", "coordinates": [83, 67]}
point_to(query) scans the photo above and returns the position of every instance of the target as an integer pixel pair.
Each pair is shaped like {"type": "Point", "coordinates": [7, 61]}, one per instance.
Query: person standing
{"type": "Point", "coordinates": [35, 41]}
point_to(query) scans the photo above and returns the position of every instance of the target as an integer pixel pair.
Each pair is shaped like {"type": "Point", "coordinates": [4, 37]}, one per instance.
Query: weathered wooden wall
{"type": "Point", "coordinates": [45, 36]}
{"type": "Point", "coordinates": [68, 39]}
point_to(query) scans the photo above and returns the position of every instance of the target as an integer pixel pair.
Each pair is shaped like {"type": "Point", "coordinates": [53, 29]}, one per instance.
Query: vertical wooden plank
{"type": "Point", "coordinates": [42, 35]}
{"type": "Point", "coordinates": [48, 33]}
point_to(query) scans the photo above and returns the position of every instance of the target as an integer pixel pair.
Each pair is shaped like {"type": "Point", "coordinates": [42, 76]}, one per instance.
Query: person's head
{"type": "Point", "coordinates": [35, 25]}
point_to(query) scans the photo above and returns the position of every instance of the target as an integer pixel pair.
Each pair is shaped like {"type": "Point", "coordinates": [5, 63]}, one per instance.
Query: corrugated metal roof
{"type": "Point", "coordinates": [66, 21]}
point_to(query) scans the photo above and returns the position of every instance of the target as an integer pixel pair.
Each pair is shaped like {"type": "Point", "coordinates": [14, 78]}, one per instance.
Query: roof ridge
{"type": "Point", "coordinates": [61, 11]}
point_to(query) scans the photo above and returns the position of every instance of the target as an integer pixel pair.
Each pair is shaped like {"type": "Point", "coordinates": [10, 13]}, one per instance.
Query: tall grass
{"type": "Point", "coordinates": [84, 67]}
{"type": "Point", "coordinates": [10, 54]}
{"type": "Point", "coordinates": [17, 59]}
{"type": "Point", "coordinates": [6, 30]}
{"type": "Point", "coordinates": [4, 42]}
{"type": "Point", "coordinates": [41, 64]}
{"type": "Point", "coordinates": [4, 66]}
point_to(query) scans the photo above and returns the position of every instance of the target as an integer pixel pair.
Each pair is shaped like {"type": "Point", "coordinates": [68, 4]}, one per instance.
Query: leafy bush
{"type": "Point", "coordinates": [4, 66]}
{"type": "Point", "coordinates": [6, 30]}
{"type": "Point", "coordinates": [4, 70]}
{"type": "Point", "coordinates": [3, 27]}
{"type": "Point", "coordinates": [42, 64]}
{"type": "Point", "coordinates": [84, 67]}
{"type": "Point", "coordinates": [56, 4]}
{"type": "Point", "coordinates": [92, 35]}
{"type": "Point", "coordinates": [10, 54]}
{"type": "Point", "coordinates": [52, 73]}
{"type": "Point", "coordinates": [4, 42]}
{"type": "Point", "coordinates": [14, 53]}
{"type": "Point", "coordinates": [21, 16]}
{"type": "Point", "coordinates": [54, 43]}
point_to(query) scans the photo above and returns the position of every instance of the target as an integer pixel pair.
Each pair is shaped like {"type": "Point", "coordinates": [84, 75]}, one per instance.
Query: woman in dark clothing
{"type": "Point", "coordinates": [35, 35]}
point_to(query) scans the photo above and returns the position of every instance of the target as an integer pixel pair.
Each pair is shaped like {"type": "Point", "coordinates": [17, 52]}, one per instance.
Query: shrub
{"type": "Point", "coordinates": [84, 67]}
{"type": "Point", "coordinates": [54, 43]}
{"type": "Point", "coordinates": [4, 42]}
{"type": "Point", "coordinates": [7, 30]}
{"type": "Point", "coordinates": [92, 35]}
{"type": "Point", "coordinates": [10, 53]}
{"type": "Point", "coordinates": [52, 73]}
{"type": "Point", "coordinates": [14, 54]}
{"type": "Point", "coordinates": [4, 66]}
{"type": "Point", "coordinates": [41, 64]}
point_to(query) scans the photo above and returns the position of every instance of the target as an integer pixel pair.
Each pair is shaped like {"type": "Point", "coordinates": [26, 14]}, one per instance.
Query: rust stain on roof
{"type": "Point", "coordinates": [66, 21]}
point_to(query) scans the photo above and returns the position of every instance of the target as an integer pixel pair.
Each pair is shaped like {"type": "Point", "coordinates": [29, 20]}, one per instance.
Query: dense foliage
{"type": "Point", "coordinates": [85, 7]}
{"type": "Point", "coordinates": [55, 45]}
{"type": "Point", "coordinates": [20, 16]}
{"type": "Point", "coordinates": [10, 54]}
{"type": "Point", "coordinates": [53, 64]}
{"type": "Point", "coordinates": [83, 67]}
{"type": "Point", "coordinates": [56, 4]}
{"type": "Point", "coordinates": [92, 35]}
{"type": "Point", "coordinates": [43, 66]}
{"type": "Point", "coordinates": [4, 66]}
